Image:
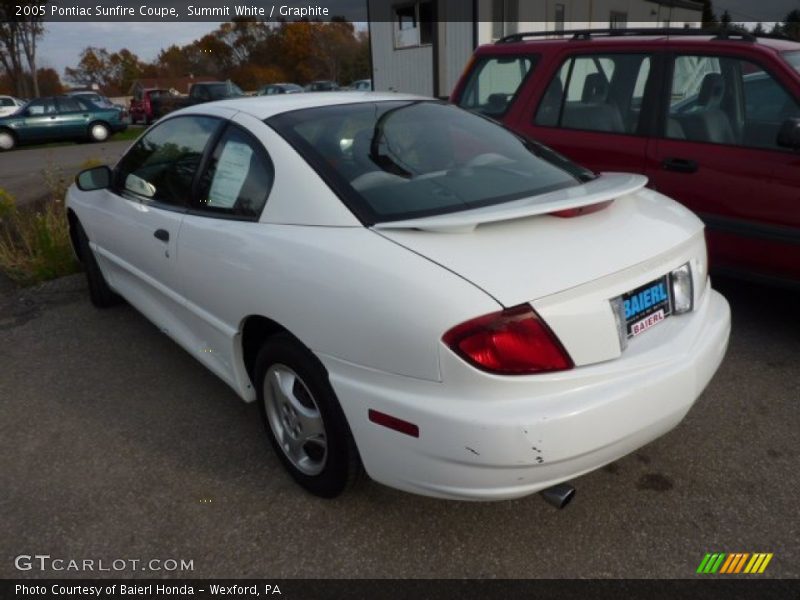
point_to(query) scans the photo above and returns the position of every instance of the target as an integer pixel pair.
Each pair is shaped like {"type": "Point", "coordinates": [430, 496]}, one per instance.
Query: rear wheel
{"type": "Point", "coordinates": [99, 132]}
{"type": "Point", "coordinates": [304, 422]}
{"type": "Point", "coordinates": [101, 295]}
{"type": "Point", "coordinates": [7, 140]}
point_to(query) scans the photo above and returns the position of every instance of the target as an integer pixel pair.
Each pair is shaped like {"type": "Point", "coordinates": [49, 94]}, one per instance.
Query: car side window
{"type": "Point", "coordinates": [69, 105]}
{"type": "Point", "coordinates": [596, 93]}
{"type": "Point", "coordinates": [162, 165]}
{"type": "Point", "coordinates": [43, 106]}
{"type": "Point", "coordinates": [725, 100]}
{"type": "Point", "coordinates": [494, 82]}
{"type": "Point", "coordinates": [238, 177]}
{"type": "Point", "coordinates": [6, 102]}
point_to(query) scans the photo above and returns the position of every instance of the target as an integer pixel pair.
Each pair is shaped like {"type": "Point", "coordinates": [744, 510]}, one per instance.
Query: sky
{"type": "Point", "coordinates": [64, 41]}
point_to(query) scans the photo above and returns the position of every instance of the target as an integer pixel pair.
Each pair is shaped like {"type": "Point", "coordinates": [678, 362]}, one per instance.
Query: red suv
{"type": "Point", "coordinates": [712, 119]}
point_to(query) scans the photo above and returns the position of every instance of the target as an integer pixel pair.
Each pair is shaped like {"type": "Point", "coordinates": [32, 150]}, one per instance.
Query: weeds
{"type": "Point", "coordinates": [34, 239]}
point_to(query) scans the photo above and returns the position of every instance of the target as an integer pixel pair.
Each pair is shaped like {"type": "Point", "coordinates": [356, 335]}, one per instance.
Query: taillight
{"type": "Point", "coordinates": [514, 341]}
{"type": "Point", "coordinates": [568, 213]}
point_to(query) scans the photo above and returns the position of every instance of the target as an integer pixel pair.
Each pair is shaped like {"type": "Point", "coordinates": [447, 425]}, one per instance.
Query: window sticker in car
{"type": "Point", "coordinates": [231, 172]}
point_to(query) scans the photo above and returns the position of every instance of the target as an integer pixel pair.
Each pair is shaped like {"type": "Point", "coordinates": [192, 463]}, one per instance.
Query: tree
{"type": "Point", "coordinates": [49, 82]}
{"type": "Point", "coordinates": [124, 68]}
{"type": "Point", "coordinates": [174, 62]}
{"type": "Point", "coordinates": [18, 38]}
{"type": "Point", "coordinates": [709, 18]}
{"type": "Point", "coordinates": [29, 31]}
{"type": "Point", "coordinates": [759, 29]}
{"type": "Point", "coordinates": [243, 36]}
{"type": "Point", "coordinates": [94, 68]}
{"type": "Point", "coordinates": [791, 25]}
{"type": "Point", "coordinates": [333, 47]}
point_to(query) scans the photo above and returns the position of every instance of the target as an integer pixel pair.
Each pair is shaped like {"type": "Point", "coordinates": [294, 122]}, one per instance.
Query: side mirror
{"type": "Point", "coordinates": [97, 178]}
{"type": "Point", "coordinates": [789, 134]}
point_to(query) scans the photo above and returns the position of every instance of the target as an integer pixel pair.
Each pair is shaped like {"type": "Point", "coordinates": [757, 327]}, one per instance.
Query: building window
{"type": "Point", "coordinates": [413, 24]}
{"type": "Point", "coordinates": [560, 17]}
{"type": "Point", "coordinates": [618, 20]}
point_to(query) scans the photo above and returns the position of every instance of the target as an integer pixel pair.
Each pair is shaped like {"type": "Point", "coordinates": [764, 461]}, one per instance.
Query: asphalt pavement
{"type": "Point", "coordinates": [116, 444]}
{"type": "Point", "coordinates": [21, 171]}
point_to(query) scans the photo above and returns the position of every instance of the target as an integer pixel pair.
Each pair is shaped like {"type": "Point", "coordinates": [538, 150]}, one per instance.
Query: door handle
{"type": "Point", "coordinates": [162, 234]}
{"type": "Point", "coordinates": [680, 165]}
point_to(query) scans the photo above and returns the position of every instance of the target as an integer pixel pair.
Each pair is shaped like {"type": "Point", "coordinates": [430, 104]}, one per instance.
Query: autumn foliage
{"type": "Point", "coordinates": [250, 53]}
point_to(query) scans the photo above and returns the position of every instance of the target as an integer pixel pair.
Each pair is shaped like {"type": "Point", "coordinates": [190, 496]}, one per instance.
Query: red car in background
{"type": "Point", "coordinates": [713, 120]}
{"type": "Point", "coordinates": [141, 109]}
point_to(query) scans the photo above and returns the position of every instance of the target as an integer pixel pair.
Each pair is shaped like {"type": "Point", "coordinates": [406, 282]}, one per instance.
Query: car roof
{"type": "Point", "coordinates": [264, 107]}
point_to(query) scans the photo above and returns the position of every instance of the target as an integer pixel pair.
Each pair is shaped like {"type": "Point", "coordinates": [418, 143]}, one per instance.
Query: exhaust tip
{"type": "Point", "coordinates": [559, 495]}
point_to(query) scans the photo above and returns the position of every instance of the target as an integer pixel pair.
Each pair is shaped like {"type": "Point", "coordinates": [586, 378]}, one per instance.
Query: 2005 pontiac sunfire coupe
{"type": "Point", "coordinates": [407, 286]}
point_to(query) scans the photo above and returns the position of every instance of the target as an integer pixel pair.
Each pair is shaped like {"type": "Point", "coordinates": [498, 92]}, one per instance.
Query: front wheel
{"type": "Point", "coordinates": [98, 132]}
{"type": "Point", "coordinates": [304, 422]}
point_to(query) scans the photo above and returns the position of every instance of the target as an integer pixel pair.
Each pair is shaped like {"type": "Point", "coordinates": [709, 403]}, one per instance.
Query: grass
{"type": "Point", "coordinates": [34, 239]}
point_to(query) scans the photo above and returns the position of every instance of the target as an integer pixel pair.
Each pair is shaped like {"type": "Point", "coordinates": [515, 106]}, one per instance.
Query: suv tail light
{"type": "Point", "coordinates": [514, 341]}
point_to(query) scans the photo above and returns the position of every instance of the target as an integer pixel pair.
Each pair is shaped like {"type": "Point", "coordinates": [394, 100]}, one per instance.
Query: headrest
{"type": "Point", "coordinates": [595, 89]}
{"type": "Point", "coordinates": [711, 89]}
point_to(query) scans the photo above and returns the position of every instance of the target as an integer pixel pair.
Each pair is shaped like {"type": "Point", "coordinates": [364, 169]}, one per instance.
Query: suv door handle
{"type": "Point", "coordinates": [681, 165]}
{"type": "Point", "coordinates": [162, 234]}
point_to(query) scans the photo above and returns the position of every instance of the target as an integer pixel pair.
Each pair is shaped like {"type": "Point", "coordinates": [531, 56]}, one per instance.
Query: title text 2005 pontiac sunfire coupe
{"type": "Point", "coordinates": [407, 286]}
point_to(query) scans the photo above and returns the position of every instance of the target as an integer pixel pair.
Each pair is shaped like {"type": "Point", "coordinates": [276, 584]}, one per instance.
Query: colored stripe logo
{"type": "Point", "coordinates": [734, 563]}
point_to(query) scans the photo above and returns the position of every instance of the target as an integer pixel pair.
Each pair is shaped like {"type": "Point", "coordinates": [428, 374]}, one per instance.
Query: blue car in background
{"type": "Point", "coordinates": [57, 118]}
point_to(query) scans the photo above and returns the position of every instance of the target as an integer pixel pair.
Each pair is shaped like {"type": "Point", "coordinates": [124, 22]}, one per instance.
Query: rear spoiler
{"type": "Point", "coordinates": [606, 187]}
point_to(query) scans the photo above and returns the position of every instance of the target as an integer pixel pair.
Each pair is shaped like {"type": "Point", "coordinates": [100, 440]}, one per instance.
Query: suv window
{"type": "Point", "coordinates": [494, 82]}
{"type": "Point", "coordinates": [162, 165]}
{"type": "Point", "coordinates": [726, 100]}
{"type": "Point", "coordinates": [238, 178]}
{"type": "Point", "coordinates": [597, 93]}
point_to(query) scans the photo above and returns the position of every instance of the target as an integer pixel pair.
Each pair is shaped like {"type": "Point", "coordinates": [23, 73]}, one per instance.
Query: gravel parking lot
{"type": "Point", "coordinates": [115, 443]}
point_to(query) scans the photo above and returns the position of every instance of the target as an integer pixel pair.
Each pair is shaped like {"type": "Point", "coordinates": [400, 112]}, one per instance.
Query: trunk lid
{"type": "Point", "coordinates": [517, 252]}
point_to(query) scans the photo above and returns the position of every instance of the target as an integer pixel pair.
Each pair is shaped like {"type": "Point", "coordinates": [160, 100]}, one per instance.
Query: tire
{"type": "Point", "coordinates": [99, 132]}
{"type": "Point", "coordinates": [304, 422]}
{"type": "Point", "coordinates": [7, 140]}
{"type": "Point", "coordinates": [100, 293]}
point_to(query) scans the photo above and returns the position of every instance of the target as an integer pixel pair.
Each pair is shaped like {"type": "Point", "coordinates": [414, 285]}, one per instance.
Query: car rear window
{"type": "Point", "coordinates": [399, 160]}
{"type": "Point", "coordinates": [494, 82]}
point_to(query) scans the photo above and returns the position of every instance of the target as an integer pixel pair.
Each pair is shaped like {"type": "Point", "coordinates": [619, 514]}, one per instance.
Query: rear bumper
{"type": "Point", "coordinates": [493, 438]}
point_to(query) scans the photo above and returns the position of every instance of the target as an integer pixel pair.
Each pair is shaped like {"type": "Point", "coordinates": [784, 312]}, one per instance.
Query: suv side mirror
{"type": "Point", "coordinates": [97, 178]}
{"type": "Point", "coordinates": [789, 134]}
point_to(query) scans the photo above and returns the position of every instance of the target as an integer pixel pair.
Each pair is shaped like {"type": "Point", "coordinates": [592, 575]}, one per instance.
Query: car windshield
{"type": "Point", "coordinates": [793, 58]}
{"type": "Point", "coordinates": [398, 160]}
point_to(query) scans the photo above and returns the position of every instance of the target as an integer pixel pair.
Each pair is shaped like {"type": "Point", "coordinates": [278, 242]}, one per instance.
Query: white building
{"type": "Point", "coordinates": [422, 46]}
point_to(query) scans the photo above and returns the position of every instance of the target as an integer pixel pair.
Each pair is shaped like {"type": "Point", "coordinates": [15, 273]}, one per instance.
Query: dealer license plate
{"type": "Point", "coordinates": [646, 306]}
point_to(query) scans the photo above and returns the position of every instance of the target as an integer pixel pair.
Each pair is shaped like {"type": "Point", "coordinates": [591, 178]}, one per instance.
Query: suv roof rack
{"type": "Point", "coordinates": [587, 34]}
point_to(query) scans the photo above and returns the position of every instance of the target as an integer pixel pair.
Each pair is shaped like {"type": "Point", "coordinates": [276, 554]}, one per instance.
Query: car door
{"type": "Point", "coordinates": [718, 155]}
{"type": "Point", "coordinates": [40, 121]}
{"type": "Point", "coordinates": [135, 225]}
{"type": "Point", "coordinates": [595, 109]}
{"type": "Point", "coordinates": [216, 243]}
{"type": "Point", "coordinates": [73, 117]}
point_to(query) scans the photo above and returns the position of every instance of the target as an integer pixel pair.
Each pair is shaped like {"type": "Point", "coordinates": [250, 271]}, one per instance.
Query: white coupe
{"type": "Point", "coordinates": [410, 288]}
